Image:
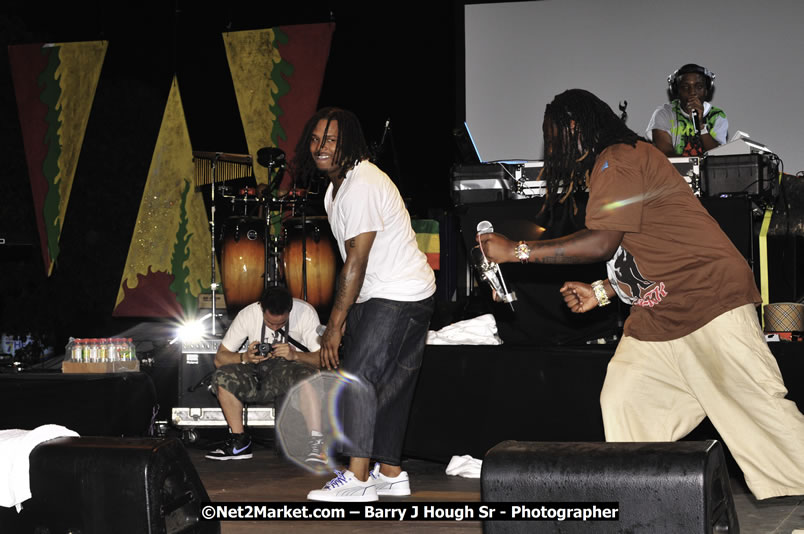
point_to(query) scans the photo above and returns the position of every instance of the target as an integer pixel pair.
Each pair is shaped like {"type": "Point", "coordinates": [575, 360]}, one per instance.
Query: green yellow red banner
{"type": "Point", "coordinates": [277, 74]}
{"type": "Point", "coordinates": [169, 259]}
{"type": "Point", "coordinates": [429, 240]}
{"type": "Point", "coordinates": [55, 86]}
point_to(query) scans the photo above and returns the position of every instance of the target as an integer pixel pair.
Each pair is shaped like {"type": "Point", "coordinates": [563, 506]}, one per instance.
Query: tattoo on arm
{"type": "Point", "coordinates": [349, 285]}
{"type": "Point", "coordinates": [352, 243]}
{"type": "Point", "coordinates": [340, 298]}
{"type": "Point", "coordinates": [559, 258]}
{"type": "Point", "coordinates": [559, 249]}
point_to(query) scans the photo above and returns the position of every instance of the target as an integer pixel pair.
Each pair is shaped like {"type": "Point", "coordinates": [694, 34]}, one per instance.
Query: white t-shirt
{"type": "Point", "coordinates": [368, 201]}
{"type": "Point", "coordinates": [247, 326]}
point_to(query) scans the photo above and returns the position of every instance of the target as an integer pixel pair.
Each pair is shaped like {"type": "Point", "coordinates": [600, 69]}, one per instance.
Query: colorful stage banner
{"type": "Point", "coordinates": [55, 86]}
{"type": "Point", "coordinates": [169, 259]}
{"type": "Point", "coordinates": [429, 240]}
{"type": "Point", "coordinates": [277, 75]}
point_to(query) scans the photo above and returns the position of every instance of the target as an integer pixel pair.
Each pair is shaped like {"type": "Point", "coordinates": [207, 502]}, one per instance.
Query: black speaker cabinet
{"type": "Point", "coordinates": [195, 369]}
{"type": "Point", "coordinates": [747, 174]}
{"type": "Point", "coordinates": [736, 218]}
{"type": "Point", "coordinates": [678, 487]}
{"type": "Point", "coordinates": [97, 485]}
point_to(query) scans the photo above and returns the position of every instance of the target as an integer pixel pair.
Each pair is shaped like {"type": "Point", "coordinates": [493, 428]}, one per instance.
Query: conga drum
{"type": "Point", "coordinates": [316, 238]}
{"type": "Point", "coordinates": [243, 261]}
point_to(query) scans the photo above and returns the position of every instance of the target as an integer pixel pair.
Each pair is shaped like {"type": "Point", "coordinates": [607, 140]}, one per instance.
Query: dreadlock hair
{"type": "Point", "coordinates": [351, 144]}
{"type": "Point", "coordinates": [577, 127]}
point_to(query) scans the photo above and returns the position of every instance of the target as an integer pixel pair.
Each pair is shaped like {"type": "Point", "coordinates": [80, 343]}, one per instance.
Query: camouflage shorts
{"type": "Point", "coordinates": [263, 382]}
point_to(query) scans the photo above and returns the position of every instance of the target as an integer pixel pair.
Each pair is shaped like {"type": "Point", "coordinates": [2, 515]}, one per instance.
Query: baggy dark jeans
{"type": "Point", "coordinates": [383, 347]}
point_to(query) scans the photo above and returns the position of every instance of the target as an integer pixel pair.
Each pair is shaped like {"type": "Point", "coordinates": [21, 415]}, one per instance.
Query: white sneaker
{"type": "Point", "coordinates": [345, 487]}
{"type": "Point", "coordinates": [398, 486]}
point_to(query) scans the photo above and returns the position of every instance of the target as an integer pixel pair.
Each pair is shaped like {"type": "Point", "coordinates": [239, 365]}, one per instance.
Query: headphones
{"type": "Point", "coordinates": [672, 80]}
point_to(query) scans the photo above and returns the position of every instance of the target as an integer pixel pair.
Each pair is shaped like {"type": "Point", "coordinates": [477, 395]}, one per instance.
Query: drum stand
{"type": "Point", "coordinates": [272, 159]}
{"type": "Point", "coordinates": [212, 168]}
{"type": "Point", "coordinates": [272, 249]}
{"type": "Point", "coordinates": [271, 276]}
{"type": "Point", "coordinates": [304, 245]}
{"type": "Point", "coordinates": [213, 284]}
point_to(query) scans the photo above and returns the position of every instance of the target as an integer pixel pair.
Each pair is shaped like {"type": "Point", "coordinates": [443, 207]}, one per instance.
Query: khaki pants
{"type": "Point", "coordinates": [660, 391]}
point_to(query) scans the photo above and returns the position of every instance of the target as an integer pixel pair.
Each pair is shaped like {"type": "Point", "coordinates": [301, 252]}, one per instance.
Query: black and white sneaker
{"type": "Point", "coordinates": [236, 447]}
{"type": "Point", "coordinates": [316, 456]}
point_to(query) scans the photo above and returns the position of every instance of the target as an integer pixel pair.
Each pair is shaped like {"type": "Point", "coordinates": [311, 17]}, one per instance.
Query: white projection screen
{"type": "Point", "coordinates": [521, 54]}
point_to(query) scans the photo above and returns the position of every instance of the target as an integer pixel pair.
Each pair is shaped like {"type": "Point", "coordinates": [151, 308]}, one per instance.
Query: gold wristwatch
{"type": "Point", "coordinates": [600, 293]}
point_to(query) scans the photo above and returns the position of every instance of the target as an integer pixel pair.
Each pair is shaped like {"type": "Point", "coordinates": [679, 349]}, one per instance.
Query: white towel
{"type": "Point", "coordinates": [464, 466]}
{"type": "Point", "coordinates": [481, 330]}
{"type": "Point", "coordinates": [15, 450]}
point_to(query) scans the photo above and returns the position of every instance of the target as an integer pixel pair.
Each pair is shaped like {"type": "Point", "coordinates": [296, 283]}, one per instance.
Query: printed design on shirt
{"type": "Point", "coordinates": [631, 285]}
{"type": "Point", "coordinates": [683, 130]}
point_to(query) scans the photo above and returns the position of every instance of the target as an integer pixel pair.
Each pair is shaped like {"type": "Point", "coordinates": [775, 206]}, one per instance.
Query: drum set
{"type": "Point", "coordinates": [254, 256]}
{"type": "Point", "coordinates": [268, 241]}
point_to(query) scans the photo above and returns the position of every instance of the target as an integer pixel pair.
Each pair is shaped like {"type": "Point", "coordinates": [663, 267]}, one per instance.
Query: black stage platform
{"type": "Point", "coordinates": [468, 398]}
{"type": "Point", "coordinates": [120, 404]}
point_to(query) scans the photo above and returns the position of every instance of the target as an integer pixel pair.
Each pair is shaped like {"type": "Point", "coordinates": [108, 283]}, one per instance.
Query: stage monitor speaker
{"type": "Point", "coordinates": [97, 485]}
{"type": "Point", "coordinates": [195, 370]}
{"type": "Point", "coordinates": [678, 487]}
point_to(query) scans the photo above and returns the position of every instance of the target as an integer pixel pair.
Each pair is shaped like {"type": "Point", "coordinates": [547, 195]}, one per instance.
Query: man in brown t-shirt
{"type": "Point", "coordinates": [692, 344]}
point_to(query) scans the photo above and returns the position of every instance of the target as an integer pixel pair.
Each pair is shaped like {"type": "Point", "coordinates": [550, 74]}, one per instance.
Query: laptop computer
{"type": "Point", "coordinates": [467, 152]}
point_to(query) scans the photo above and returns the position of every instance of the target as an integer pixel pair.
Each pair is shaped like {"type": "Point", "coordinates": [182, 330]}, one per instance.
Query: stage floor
{"type": "Point", "coordinates": [269, 477]}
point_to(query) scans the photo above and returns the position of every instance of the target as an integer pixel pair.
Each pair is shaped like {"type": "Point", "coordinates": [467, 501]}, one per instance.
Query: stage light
{"type": "Point", "coordinates": [193, 330]}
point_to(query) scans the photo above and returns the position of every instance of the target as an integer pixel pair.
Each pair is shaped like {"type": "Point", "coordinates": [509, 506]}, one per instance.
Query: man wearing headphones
{"type": "Point", "coordinates": [689, 125]}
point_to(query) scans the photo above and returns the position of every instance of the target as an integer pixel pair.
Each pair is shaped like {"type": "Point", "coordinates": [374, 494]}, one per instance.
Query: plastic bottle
{"type": "Point", "coordinates": [85, 347]}
{"type": "Point", "coordinates": [122, 349]}
{"type": "Point", "coordinates": [94, 351]}
{"type": "Point", "coordinates": [76, 349]}
{"type": "Point", "coordinates": [103, 349]}
{"type": "Point", "coordinates": [132, 353]}
{"type": "Point", "coordinates": [113, 350]}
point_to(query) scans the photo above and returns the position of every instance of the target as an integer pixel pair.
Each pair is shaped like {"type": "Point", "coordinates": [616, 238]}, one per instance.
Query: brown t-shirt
{"type": "Point", "coordinates": [675, 266]}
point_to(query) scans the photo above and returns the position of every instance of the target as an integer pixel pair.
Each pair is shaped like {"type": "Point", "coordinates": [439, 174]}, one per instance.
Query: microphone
{"type": "Point", "coordinates": [385, 130]}
{"type": "Point", "coordinates": [484, 227]}
{"type": "Point", "coordinates": [696, 122]}
{"type": "Point", "coordinates": [271, 157]}
{"type": "Point", "coordinates": [377, 149]}
{"type": "Point", "coordinates": [488, 270]}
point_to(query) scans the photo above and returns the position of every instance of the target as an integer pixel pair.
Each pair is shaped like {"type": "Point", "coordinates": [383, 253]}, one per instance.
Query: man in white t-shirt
{"type": "Point", "coordinates": [382, 308]}
{"type": "Point", "coordinates": [285, 328]}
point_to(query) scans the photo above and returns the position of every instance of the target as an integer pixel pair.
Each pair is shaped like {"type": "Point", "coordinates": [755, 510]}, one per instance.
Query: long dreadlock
{"type": "Point", "coordinates": [351, 144]}
{"type": "Point", "coordinates": [577, 127]}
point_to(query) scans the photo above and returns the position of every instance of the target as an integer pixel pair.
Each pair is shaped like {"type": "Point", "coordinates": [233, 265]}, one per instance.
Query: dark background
{"type": "Point", "coordinates": [411, 51]}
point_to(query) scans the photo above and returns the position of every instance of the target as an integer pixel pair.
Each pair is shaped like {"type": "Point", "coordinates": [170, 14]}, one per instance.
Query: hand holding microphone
{"type": "Point", "coordinates": [696, 122]}
{"type": "Point", "coordinates": [695, 108]}
{"type": "Point", "coordinates": [489, 270]}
